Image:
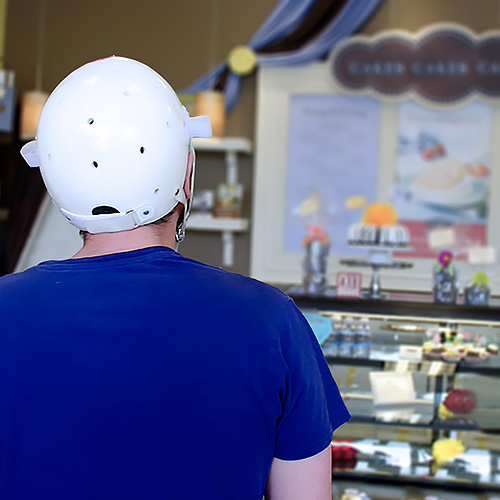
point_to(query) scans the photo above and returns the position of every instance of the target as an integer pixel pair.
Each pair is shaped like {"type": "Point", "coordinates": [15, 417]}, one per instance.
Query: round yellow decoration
{"type": "Point", "coordinates": [242, 60]}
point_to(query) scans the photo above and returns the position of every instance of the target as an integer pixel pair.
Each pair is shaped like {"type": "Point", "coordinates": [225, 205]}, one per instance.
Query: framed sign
{"type": "Point", "coordinates": [315, 141]}
{"type": "Point", "coordinates": [349, 284]}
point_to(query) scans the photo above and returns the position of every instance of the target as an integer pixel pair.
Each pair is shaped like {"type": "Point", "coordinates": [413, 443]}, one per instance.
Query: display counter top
{"type": "Point", "coordinates": [400, 302]}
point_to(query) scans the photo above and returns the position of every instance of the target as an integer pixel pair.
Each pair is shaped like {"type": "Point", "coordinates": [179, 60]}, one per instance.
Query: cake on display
{"type": "Point", "coordinates": [380, 232]}
{"type": "Point", "coordinates": [379, 227]}
{"type": "Point", "coordinates": [387, 236]}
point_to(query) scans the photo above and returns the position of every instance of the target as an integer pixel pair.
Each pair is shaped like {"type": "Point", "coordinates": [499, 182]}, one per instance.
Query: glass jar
{"type": "Point", "coordinates": [445, 288]}
{"type": "Point", "coordinates": [477, 295]}
{"type": "Point", "coordinates": [314, 267]}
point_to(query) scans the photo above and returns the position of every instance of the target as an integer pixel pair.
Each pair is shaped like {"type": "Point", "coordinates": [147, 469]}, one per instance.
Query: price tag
{"type": "Point", "coordinates": [441, 238]}
{"type": "Point", "coordinates": [349, 284]}
{"type": "Point", "coordinates": [481, 255]}
{"type": "Point", "coordinates": [410, 352]}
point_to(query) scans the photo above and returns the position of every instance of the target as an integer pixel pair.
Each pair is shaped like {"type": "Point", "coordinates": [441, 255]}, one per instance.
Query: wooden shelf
{"type": "Point", "coordinates": [223, 144]}
{"type": "Point", "coordinates": [226, 226]}
{"type": "Point", "coordinates": [231, 147]}
{"type": "Point", "coordinates": [209, 223]}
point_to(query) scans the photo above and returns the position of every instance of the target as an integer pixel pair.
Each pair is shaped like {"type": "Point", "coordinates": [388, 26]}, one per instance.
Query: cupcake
{"type": "Point", "coordinates": [492, 348]}
{"type": "Point", "coordinates": [476, 353]}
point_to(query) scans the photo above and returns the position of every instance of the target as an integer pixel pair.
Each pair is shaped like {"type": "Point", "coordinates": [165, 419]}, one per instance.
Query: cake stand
{"type": "Point", "coordinates": [378, 258]}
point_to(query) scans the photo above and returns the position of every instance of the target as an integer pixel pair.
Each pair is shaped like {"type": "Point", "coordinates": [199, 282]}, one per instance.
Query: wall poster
{"type": "Point", "coordinates": [443, 173]}
{"type": "Point", "coordinates": [332, 155]}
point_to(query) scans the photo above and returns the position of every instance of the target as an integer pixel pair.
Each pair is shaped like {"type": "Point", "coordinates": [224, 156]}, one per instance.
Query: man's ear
{"type": "Point", "coordinates": [188, 181]}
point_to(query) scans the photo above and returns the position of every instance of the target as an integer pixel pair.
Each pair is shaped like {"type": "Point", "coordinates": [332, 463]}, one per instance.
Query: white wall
{"type": "Point", "coordinates": [51, 238]}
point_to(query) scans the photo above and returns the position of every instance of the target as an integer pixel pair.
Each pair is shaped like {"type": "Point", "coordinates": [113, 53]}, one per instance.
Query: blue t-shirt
{"type": "Point", "coordinates": [145, 375]}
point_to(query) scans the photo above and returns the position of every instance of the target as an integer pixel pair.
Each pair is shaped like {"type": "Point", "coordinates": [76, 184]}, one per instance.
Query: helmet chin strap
{"type": "Point", "coordinates": [180, 229]}
{"type": "Point", "coordinates": [180, 232]}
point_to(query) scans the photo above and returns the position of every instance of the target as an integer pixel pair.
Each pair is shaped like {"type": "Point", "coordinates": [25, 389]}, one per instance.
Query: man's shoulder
{"type": "Point", "coordinates": [19, 279]}
{"type": "Point", "coordinates": [19, 283]}
{"type": "Point", "coordinates": [235, 282]}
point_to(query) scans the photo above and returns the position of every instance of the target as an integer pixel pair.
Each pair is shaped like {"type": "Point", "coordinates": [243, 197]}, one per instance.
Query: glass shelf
{"type": "Point", "coordinates": [396, 462]}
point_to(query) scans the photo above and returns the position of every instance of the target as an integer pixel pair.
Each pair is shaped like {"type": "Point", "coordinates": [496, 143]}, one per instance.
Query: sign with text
{"type": "Point", "coordinates": [444, 63]}
{"type": "Point", "coordinates": [349, 284]}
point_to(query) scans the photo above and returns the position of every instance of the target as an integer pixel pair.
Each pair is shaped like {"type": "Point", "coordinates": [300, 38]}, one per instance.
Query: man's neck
{"type": "Point", "coordinates": [127, 241]}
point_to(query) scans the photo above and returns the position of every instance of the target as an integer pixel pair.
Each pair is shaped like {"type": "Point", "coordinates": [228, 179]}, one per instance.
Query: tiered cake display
{"type": "Point", "coordinates": [379, 232]}
{"type": "Point", "coordinates": [386, 237]}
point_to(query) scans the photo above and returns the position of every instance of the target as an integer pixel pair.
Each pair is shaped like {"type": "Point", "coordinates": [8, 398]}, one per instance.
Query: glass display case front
{"type": "Point", "coordinates": [422, 384]}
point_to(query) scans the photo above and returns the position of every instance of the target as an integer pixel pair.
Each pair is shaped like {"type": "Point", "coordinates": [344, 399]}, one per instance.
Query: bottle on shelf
{"type": "Point", "coordinates": [331, 345]}
{"type": "Point", "coordinates": [347, 338]}
{"type": "Point", "coordinates": [363, 339]}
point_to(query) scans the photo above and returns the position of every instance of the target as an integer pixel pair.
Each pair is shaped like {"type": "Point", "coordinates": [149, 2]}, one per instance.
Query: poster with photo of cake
{"type": "Point", "coordinates": [333, 149]}
{"type": "Point", "coordinates": [443, 173]}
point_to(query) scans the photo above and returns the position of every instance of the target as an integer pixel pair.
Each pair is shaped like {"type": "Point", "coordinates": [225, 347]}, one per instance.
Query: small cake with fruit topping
{"type": "Point", "coordinates": [432, 349]}
{"type": "Point", "coordinates": [379, 228]}
{"type": "Point", "coordinates": [476, 353]}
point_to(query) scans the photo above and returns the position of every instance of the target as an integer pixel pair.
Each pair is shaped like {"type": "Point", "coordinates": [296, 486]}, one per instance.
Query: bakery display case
{"type": "Point", "coordinates": [422, 383]}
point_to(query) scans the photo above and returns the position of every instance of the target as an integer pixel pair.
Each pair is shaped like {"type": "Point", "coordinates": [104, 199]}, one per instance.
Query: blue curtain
{"type": "Point", "coordinates": [282, 21]}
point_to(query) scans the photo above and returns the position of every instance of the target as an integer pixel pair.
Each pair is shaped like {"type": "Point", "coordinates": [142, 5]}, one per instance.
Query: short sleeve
{"type": "Point", "coordinates": [312, 405]}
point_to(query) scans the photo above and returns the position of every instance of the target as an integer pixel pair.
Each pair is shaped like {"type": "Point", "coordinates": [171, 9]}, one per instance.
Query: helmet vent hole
{"type": "Point", "coordinates": [142, 150]}
{"type": "Point", "coordinates": [146, 212]}
{"type": "Point", "coordinates": [157, 190]}
{"type": "Point", "coordinates": [90, 121]}
{"type": "Point", "coordinates": [176, 192]}
{"type": "Point", "coordinates": [104, 209]}
{"type": "Point", "coordinates": [95, 164]}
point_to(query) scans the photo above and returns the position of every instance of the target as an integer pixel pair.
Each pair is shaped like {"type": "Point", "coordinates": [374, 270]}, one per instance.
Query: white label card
{"type": "Point", "coordinates": [410, 352]}
{"type": "Point", "coordinates": [481, 255]}
{"type": "Point", "coordinates": [441, 238]}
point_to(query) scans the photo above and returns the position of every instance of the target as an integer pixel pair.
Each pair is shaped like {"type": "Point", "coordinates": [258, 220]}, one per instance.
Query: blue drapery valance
{"type": "Point", "coordinates": [286, 17]}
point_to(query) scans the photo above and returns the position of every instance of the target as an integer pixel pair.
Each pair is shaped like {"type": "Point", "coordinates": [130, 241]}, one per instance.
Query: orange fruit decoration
{"type": "Point", "coordinates": [380, 214]}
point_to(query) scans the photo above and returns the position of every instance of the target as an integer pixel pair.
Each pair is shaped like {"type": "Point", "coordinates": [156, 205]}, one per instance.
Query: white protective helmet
{"type": "Point", "coordinates": [112, 145]}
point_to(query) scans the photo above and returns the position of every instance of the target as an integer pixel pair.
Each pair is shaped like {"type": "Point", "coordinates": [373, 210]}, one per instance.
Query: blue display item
{"type": "Point", "coordinates": [7, 109]}
{"type": "Point", "coordinates": [321, 326]}
{"type": "Point", "coordinates": [147, 375]}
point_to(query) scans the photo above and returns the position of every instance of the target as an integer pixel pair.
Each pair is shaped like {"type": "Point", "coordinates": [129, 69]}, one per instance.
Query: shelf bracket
{"type": "Point", "coordinates": [227, 248]}
{"type": "Point", "coordinates": [231, 168]}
